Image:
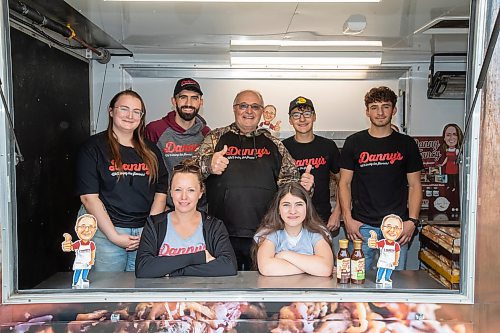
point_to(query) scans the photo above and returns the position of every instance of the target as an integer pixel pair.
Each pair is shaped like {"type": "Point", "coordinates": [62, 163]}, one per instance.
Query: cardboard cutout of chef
{"type": "Point", "coordinates": [392, 227]}
{"type": "Point", "coordinates": [452, 143]}
{"type": "Point", "coordinates": [84, 248]}
{"type": "Point", "coordinates": [268, 115]}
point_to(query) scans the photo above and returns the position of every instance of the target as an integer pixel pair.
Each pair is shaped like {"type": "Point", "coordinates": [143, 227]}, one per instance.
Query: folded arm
{"type": "Point", "coordinates": [149, 264]}
{"type": "Point", "coordinates": [224, 263]}
{"type": "Point", "coordinates": [270, 265]}
{"type": "Point", "coordinates": [319, 264]}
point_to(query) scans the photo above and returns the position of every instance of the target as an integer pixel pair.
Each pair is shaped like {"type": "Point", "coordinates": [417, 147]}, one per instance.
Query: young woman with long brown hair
{"type": "Point", "coordinates": [121, 180]}
{"type": "Point", "coordinates": [291, 238]}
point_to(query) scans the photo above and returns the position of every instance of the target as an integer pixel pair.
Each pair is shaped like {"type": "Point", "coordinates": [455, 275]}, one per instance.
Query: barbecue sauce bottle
{"type": "Point", "coordinates": [343, 263]}
{"type": "Point", "coordinates": [357, 264]}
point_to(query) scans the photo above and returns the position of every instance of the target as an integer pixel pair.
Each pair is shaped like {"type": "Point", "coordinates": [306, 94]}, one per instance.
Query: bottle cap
{"type": "Point", "coordinates": [357, 244]}
{"type": "Point", "coordinates": [343, 243]}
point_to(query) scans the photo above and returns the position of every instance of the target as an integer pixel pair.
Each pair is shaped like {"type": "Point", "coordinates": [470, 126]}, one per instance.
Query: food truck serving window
{"type": "Point", "coordinates": [35, 269]}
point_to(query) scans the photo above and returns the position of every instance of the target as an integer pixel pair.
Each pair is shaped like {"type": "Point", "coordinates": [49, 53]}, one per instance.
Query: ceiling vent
{"type": "Point", "coordinates": [446, 25]}
{"type": "Point", "coordinates": [446, 84]}
{"type": "Point", "coordinates": [354, 25]}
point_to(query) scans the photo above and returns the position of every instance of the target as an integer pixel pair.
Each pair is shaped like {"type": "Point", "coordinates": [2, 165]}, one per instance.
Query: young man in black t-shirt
{"type": "Point", "coordinates": [321, 153]}
{"type": "Point", "coordinates": [380, 175]}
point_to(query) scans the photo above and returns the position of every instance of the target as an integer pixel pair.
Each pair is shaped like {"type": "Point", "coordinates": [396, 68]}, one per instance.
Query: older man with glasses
{"type": "Point", "coordinates": [243, 167]}
{"type": "Point", "coordinates": [321, 153]}
{"type": "Point", "coordinates": [392, 227]}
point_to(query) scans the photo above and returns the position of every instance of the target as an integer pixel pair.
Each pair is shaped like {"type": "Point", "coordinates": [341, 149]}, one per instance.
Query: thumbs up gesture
{"type": "Point", "coordinates": [219, 162]}
{"type": "Point", "coordinates": [277, 127]}
{"type": "Point", "coordinates": [67, 244]}
{"type": "Point", "coordinates": [307, 179]}
{"type": "Point", "coordinates": [372, 241]}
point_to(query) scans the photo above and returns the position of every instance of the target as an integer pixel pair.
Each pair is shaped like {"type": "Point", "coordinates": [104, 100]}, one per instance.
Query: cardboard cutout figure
{"type": "Point", "coordinates": [452, 142]}
{"type": "Point", "coordinates": [269, 114]}
{"type": "Point", "coordinates": [85, 227]}
{"type": "Point", "coordinates": [392, 227]}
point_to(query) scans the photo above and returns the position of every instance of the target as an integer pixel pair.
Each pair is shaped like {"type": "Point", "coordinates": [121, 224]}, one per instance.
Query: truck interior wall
{"type": "Point", "coordinates": [339, 102]}
{"type": "Point", "coordinates": [52, 105]}
{"type": "Point", "coordinates": [338, 106]}
{"type": "Point", "coordinates": [331, 98]}
{"type": "Point", "coordinates": [427, 117]}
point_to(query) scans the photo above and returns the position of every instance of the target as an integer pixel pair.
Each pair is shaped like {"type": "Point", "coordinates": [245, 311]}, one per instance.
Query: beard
{"type": "Point", "coordinates": [187, 116]}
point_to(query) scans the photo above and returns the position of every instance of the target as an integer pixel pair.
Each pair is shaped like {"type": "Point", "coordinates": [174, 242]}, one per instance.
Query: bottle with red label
{"type": "Point", "coordinates": [357, 264]}
{"type": "Point", "coordinates": [343, 262]}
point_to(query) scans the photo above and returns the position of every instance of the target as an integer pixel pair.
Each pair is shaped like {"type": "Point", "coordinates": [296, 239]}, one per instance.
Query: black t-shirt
{"type": "Point", "coordinates": [127, 200]}
{"type": "Point", "coordinates": [379, 186]}
{"type": "Point", "coordinates": [324, 156]}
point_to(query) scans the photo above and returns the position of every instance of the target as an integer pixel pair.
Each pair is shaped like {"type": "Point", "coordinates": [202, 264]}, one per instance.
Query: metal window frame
{"type": "Point", "coordinates": [8, 218]}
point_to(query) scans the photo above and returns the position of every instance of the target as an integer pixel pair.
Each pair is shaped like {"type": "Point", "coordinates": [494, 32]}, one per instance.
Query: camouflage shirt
{"type": "Point", "coordinates": [205, 151]}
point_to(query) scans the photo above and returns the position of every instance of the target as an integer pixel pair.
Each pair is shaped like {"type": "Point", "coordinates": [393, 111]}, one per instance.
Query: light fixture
{"type": "Point", "coordinates": [304, 59]}
{"type": "Point", "coordinates": [304, 43]}
{"type": "Point", "coordinates": [354, 25]}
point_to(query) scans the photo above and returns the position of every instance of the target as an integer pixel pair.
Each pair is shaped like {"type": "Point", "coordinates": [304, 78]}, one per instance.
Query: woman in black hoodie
{"type": "Point", "coordinates": [185, 241]}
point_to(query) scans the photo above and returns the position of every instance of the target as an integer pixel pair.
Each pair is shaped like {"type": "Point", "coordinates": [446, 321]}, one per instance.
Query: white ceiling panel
{"type": "Point", "coordinates": [207, 28]}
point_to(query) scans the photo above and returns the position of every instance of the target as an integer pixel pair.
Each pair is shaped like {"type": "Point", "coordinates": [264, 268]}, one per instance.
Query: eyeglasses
{"type": "Point", "coordinates": [297, 115]}
{"type": "Point", "coordinates": [83, 227]}
{"type": "Point", "coordinates": [245, 106]}
{"type": "Point", "coordinates": [390, 227]}
{"type": "Point", "coordinates": [125, 111]}
{"type": "Point", "coordinates": [187, 168]}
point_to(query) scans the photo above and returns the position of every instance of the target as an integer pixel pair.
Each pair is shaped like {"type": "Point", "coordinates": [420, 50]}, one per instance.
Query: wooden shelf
{"type": "Point", "coordinates": [435, 266]}
{"type": "Point", "coordinates": [435, 275]}
{"type": "Point", "coordinates": [437, 222]}
{"type": "Point", "coordinates": [429, 243]}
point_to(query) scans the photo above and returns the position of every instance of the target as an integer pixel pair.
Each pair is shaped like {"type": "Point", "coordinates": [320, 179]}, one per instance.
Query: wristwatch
{"type": "Point", "coordinates": [415, 221]}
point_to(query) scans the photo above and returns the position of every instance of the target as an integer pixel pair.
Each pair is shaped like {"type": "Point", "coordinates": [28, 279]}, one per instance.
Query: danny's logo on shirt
{"type": "Point", "coordinates": [367, 159]}
{"type": "Point", "coordinates": [129, 169]}
{"type": "Point", "coordinates": [167, 250]}
{"type": "Point", "coordinates": [316, 162]}
{"type": "Point", "coordinates": [173, 148]}
{"type": "Point", "coordinates": [234, 152]}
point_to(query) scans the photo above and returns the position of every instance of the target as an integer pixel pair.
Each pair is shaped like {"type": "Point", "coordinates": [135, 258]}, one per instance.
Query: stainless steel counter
{"type": "Point", "coordinates": [404, 281]}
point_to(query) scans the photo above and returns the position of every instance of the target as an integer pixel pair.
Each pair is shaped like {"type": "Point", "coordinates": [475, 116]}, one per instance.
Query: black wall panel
{"type": "Point", "coordinates": [52, 118]}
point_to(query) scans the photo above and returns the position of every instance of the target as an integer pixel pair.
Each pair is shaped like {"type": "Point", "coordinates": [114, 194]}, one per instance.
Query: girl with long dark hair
{"type": "Point", "coordinates": [291, 238]}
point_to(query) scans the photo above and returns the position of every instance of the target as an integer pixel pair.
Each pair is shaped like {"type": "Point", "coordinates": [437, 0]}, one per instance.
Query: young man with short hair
{"type": "Point", "coordinates": [380, 175]}
{"type": "Point", "coordinates": [182, 130]}
{"type": "Point", "coordinates": [308, 148]}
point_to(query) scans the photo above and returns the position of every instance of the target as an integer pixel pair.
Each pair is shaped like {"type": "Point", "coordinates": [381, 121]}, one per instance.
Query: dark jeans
{"type": "Point", "coordinates": [242, 248]}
